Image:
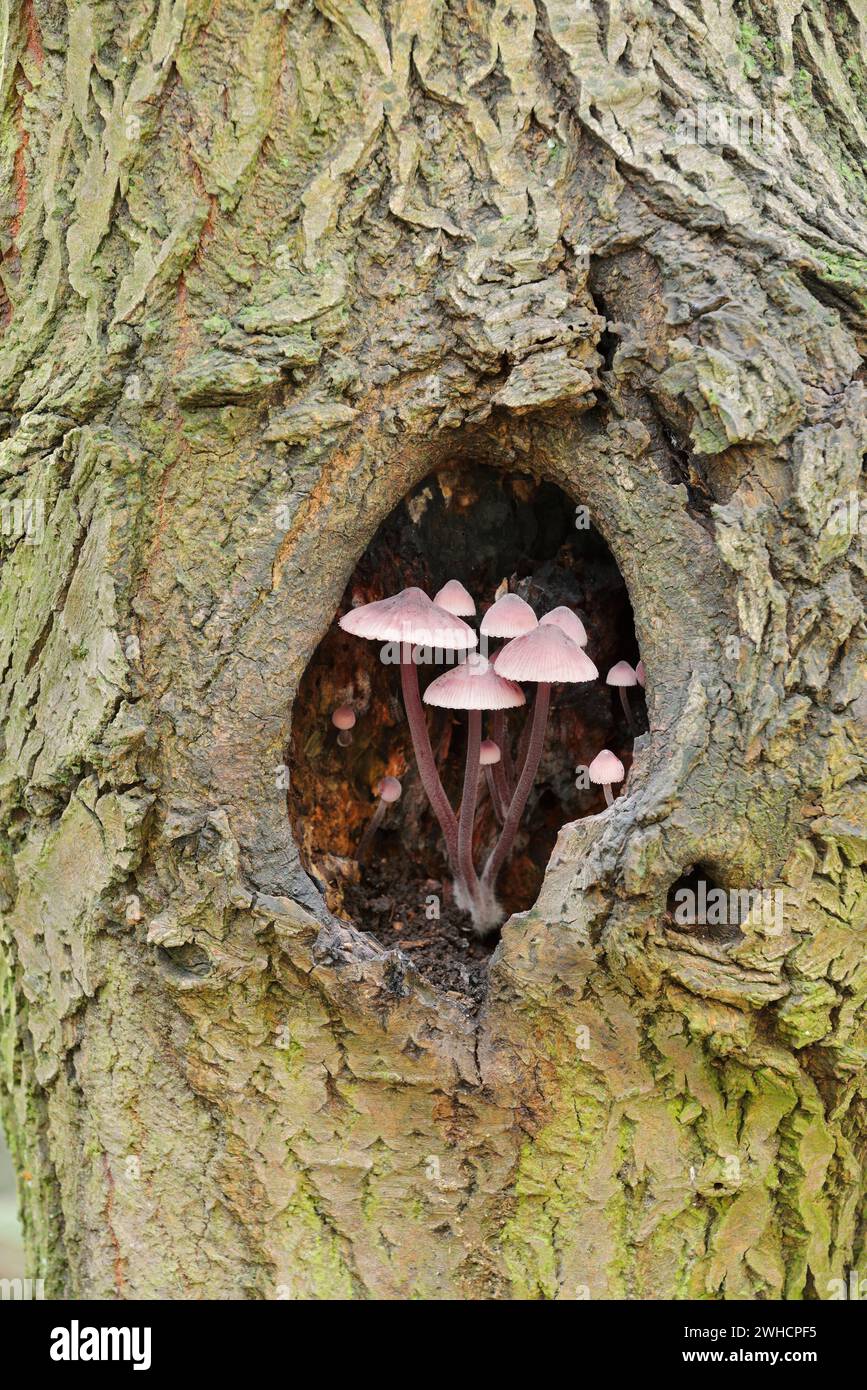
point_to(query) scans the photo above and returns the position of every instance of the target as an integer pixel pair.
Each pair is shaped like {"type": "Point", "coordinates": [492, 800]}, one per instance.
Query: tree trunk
{"type": "Point", "coordinates": [267, 266]}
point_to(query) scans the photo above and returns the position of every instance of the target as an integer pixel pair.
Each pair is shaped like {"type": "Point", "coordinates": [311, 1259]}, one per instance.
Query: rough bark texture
{"type": "Point", "coordinates": [266, 266]}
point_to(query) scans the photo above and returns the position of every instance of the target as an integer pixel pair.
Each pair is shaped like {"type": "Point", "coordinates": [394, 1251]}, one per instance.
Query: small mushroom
{"type": "Point", "coordinates": [568, 622]}
{"type": "Point", "coordinates": [639, 674]}
{"type": "Point", "coordinates": [489, 753]}
{"type": "Point", "coordinates": [489, 757]}
{"type": "Point", "coordinates": [510, 616]}
{"type": "Point", "coordinates": [455, 599]}
{"type": "Point", "coordinates": [606, 769]}
{"type": "Point", "coordinates": [622, 676]}
{"type": "Point", "coordinates": [389, 791]}
{"type": "Point", "coordinates": [343, 719]}
{"type": "Point", "coordinates": [473, 686]}
{"type": "Point", "coordinates": [546, 656]}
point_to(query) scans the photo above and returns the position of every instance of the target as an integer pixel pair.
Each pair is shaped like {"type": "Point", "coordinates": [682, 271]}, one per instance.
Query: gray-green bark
{"type": "Point", "coordinates": [266, 266]}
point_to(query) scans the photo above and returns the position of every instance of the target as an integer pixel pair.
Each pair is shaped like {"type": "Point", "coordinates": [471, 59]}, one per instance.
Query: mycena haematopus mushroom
{"type": "Point", "coordinates": [508, 616]}
{"type": "Point", "coordinates": [489, 757]}
{"type": "Point", "coordinates": [411, 620]}
{"type": "Point", "coordinates": [546, 656]}
{"type": "Point", "coordinates": [489, 753]}
{"type": "Point", "coordinates": [571, 624]}
{"type": "Point", "coordinates": [622, 677]}
{"type": "Point", "coordinates": [473, 685]}
{"type": "Point", "coordinates": [389, 791]}
{"type": "Point", "coordinates": [455, 599]}
{"type": "Point", "coordinates": [343, 720]}
{"type": "Point", "coordinates": [568, 622]}
{"type": "Point", "coordinates": [605, 770]}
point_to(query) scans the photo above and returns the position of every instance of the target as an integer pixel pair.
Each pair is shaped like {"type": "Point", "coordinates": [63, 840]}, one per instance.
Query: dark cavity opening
{"type": "Point", "coordinates": [700, 905]}
{"type": "Point", "coordinates": [475, 524]}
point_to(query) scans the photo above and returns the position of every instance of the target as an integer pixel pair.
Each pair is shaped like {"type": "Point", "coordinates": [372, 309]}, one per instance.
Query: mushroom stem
{"type": "Point", "coordinates": [523, 743]}
{"type": "Point", "coordinates": [525, 783]}
{"type": "Point", "coordinates": [504, 788]}
{"type": "Point", "coordinates": [494, 794]}
{"type": "Point", "coordinates": [504, 770]}
{"type": "Point", "coordinates": [427, 768]}
{"type": "Point", "coordinates": [466, 868]}
{"type": "Point", "coordinates": [609, 795]}
{"type": "Point", "coordinates": [370, 830]}
{"type": "Point", "coordinates": [627, 710]}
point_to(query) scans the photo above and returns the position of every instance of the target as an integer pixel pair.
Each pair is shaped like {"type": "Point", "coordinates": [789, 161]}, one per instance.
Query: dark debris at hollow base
{"type": "Point", "coordinates": [390, 906]}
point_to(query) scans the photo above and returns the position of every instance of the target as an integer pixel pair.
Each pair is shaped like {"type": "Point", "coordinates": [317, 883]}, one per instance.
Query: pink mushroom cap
{"type": "Point", "coordinates": [489, 752]}
{"type": "Point", "coordinates": [409, 617]}
{"type": "Point", "coordinates": [621, 674]}
{"type": "Point", "coordinates": [546, 655]}
{"type": "Point", "coordinates": [605, 769]}
{"type": "Point", "coordinates": [473, 684]}
{"type": "Point", "coordinates": [567, 622]}
{"type": "Point", "coordinates": [510, 616]}
{"type": "Point", "coordinates": [454, 598]}
{"type": "Point", "coordinates": [639, 673]}
{"type": "Point", "coordinates": [343, 717]}
{"type": "Point", "coordinates": [389, 790]}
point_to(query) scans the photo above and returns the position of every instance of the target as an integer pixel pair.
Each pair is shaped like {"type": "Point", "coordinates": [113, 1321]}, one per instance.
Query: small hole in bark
{"type": "Point", "coordinates": [699, 905]}
{"type": "Point", "coordinates": [187, 962]}
{"type": "Point", "coordinates": [475, 524]}
{"type": "Point", "coordinates": [608, 341]}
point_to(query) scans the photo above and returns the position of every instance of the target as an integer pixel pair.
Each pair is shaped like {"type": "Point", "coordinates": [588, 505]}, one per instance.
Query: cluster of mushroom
{"type": "Point", "coordinates": [545, 651]}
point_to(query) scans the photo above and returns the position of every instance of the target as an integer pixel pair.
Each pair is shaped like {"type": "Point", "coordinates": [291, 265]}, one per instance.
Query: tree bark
{"type": "Point", "coordinates": [265, 267]}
